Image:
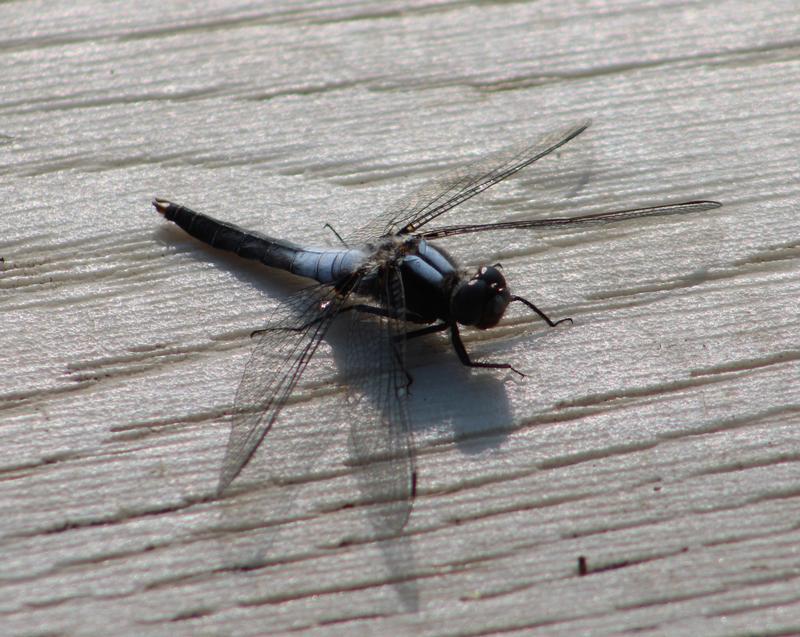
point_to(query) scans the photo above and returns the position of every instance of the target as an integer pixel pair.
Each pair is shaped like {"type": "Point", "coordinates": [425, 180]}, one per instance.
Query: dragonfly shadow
{"type": "Point", "coordinates": [259, 511]}
{"type": "Point", "coordinates": [447, 401]}
{"type": "Point", "coordinates": [453, 402]}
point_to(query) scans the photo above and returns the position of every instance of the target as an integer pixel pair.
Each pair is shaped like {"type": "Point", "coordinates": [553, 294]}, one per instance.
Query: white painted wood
{"type": "Point", "coordinates": [657, 436]}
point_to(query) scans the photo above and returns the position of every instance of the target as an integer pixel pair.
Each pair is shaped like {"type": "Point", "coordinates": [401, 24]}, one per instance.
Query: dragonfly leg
{"type": "Point", "coordinates": [431, 329]}
{"type": "Point", "coordinates": [463, 356]}
{"type": "Point", "coordinates": [366, 309]}
{"type": "Point", "coordinates": [336, 234]}
{"type": "Point", "coordinates": [544, 316]}
{"type": "Point", "coordinates": [413, 334]}
{"type": "Point", "coordinates": [382, 311]}
{"type": "Point", "coordinates": [298, 328]}
{"type": "Point", "coordinates": [401, 364]}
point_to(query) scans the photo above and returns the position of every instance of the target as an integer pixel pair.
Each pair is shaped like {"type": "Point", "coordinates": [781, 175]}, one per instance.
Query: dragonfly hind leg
{"type": "Point", "coordinates": [365, 309]}
{"type": "Point", "coordinates": [382, 311]}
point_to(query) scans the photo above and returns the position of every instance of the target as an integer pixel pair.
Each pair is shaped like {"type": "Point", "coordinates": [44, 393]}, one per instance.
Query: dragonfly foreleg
{"type": "Point", "coordinates": [463, 356]}
{"type": "Point", "coordinates": [543, 316]}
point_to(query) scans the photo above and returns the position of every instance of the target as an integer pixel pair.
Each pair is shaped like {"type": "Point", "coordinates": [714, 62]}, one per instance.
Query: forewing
{"type": "Point", "coordinates": [457, 186]}
{"type": "Point", "coordinates": [381, 440]}
{"type": "Point", "coordinates": [278, 360]}
{"type": "Point", "coordinates": [685, 207]}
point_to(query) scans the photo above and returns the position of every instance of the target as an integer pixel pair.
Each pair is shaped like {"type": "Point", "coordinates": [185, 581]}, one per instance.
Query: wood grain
{"type": "Point", "coordinates": [657, 437]}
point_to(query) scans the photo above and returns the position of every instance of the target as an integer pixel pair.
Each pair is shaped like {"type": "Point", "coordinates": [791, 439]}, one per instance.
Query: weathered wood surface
{"type": "Point", "coordinates": [657, 436]}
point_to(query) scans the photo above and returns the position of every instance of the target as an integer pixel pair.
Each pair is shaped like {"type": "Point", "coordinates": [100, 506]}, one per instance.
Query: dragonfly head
{"type": "Point", "coordinates": [482, 300]}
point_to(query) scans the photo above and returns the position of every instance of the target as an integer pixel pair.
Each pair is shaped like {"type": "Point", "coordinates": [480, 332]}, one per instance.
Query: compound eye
{"type": "Point", "coordinates": [496, 297]}
{"type": "Point", "coordinates": [492, 277]}
{"type": "Point", "coordinates": [493, 310]}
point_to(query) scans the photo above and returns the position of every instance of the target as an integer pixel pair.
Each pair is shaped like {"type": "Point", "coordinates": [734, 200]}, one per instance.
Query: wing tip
{"type": "Point", "coordinates": [702, 205]}
{"type": "Point", "coordinates": [573, 131]}
{"type": "Point", "coordinates": [225, 479]}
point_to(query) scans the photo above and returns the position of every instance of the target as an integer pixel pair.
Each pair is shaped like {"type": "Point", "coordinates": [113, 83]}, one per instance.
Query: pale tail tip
{"type": "Point", "coordinates": [161, 205]}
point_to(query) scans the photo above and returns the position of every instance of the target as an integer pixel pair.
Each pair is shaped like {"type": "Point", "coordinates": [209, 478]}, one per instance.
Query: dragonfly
{"type": "Point", "coordinates": [388, 272]}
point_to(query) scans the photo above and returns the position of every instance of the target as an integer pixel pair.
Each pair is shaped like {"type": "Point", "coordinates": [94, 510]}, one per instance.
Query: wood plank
{"type": "Point", "coordinates": [656, 437]}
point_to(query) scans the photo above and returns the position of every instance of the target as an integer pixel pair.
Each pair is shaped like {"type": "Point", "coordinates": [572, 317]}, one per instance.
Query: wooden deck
{"type": "Point", "coordinates": [658, 437]}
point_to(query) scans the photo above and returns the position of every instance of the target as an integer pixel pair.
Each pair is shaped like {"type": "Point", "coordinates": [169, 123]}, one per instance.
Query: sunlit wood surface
{"type": "Point", "coordinates": [657, 437]}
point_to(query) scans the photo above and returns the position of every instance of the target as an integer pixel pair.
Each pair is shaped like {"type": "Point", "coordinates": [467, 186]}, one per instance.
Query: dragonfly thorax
{"type": "Point", "coordinates": [482, 300]}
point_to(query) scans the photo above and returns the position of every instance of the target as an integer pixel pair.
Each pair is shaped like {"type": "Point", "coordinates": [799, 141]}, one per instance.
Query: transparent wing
{"type": "Point", "coordinates": [381, 440]}
{"type": "Point", "coordinates": [453, 188]}
{"type": "Point", "coordinates": [603, 217]}
{"type": "Point", "coordinates": [278, 360]}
